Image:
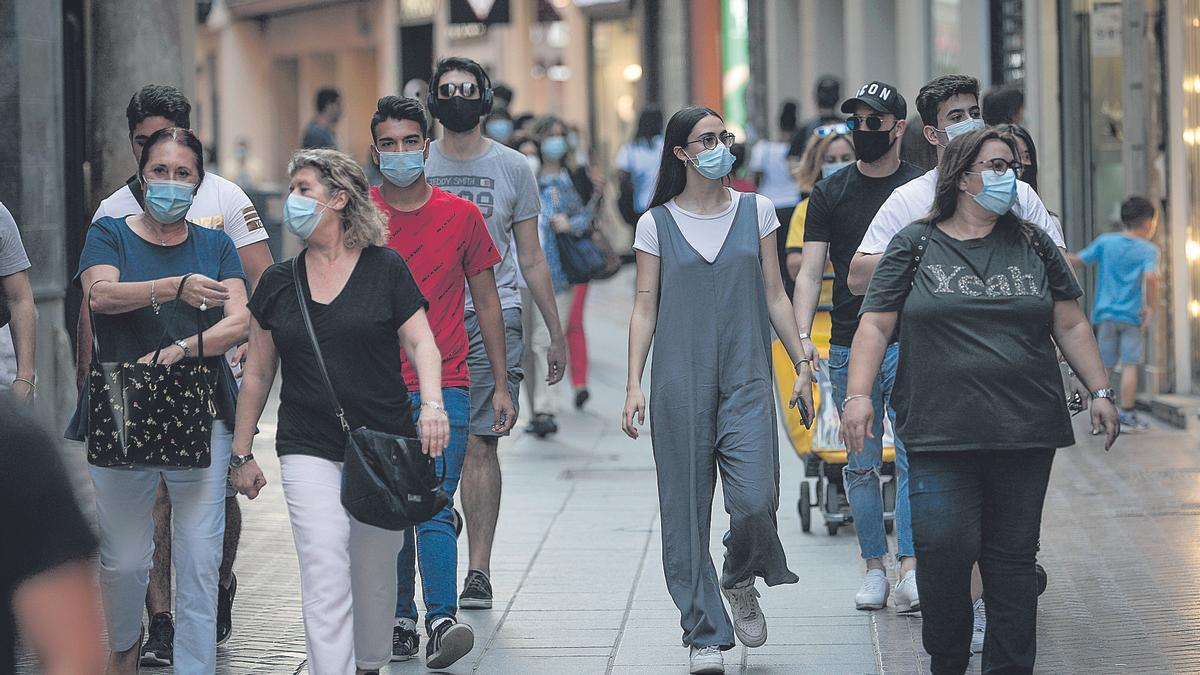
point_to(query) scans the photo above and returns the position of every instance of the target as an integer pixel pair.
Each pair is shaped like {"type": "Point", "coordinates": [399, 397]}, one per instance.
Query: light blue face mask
{"type": "Point", "coordinates": [300, 215]}
{"type": "Point", "coordinates": [168, 201]}
{"type": "Point", "coordinates": [402, 168]}
{"type": "Point", "coordinates": [999, 191]}
{"type": "Point", "coordinates": [959, 128]}
{"type": "Point", "coordinates": [714, 164]}
{"type": "Point", "coordinates": [499, 129]}
{"type": "Point", "coordinates": [554, 147]}
{"type": "Point", "coordinates": [828, 170]}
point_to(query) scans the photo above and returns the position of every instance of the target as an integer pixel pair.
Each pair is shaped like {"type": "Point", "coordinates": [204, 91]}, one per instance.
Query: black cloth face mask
{"type": "Point", "coordinates": [871, 145]}
{"type": "Point", "coordinates": [460, 114]}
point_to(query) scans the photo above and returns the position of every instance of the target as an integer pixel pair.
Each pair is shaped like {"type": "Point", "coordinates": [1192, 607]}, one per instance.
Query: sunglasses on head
{"type": "Point", "coordinates": [868, 123]}
{"type": "Point", "coordinates": [465, 89]}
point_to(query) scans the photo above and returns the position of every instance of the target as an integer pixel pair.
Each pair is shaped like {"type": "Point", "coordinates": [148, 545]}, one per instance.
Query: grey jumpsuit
{"type": "Point", "coordinates": [712, 408]}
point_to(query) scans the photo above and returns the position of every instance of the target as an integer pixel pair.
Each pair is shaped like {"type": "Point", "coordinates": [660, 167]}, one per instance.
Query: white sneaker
{"type": "Point", "coordinates": [706, 660]}
{"type": "Point", "coordinates": [905, 596]}
{"type": "Point", "coordinates": [980, 628]}
{"type": "Point", "coordinates": [874, 591]}
{"type": "Point", "coordinates": [749, 624]}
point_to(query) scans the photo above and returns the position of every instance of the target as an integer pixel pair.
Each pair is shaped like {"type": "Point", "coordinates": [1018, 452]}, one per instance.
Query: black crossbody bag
{"type": "Point", "coordinates": [386, 480]}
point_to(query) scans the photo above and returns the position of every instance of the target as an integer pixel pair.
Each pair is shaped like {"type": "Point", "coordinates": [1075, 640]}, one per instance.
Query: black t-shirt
{"type": "Point", "coordinates": [977, 363]}
{"type": "Point", "coordinates": [840, 210]}
{"type": "Point", "coordinates": [357, 334]}
{"type": "Point", "coordinates": [40, 523]}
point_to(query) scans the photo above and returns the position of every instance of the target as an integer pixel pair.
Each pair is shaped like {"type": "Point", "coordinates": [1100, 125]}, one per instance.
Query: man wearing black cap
{"type": "Point", "coordinates": [839, 211]}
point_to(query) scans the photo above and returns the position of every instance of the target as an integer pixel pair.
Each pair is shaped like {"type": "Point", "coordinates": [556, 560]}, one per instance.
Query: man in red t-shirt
{"type": "Point", "coordinates": [445, 242]}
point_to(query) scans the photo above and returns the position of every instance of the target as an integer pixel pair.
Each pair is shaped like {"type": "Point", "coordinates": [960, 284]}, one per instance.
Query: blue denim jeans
{"type": "Point", "coordinates": [862, 469]}
{"type": "Point", "coordinates": [437, 544]}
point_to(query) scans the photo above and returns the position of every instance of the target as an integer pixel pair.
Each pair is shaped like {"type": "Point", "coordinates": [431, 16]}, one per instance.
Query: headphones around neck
{"type": "Point", "coordinates": [487, 95]}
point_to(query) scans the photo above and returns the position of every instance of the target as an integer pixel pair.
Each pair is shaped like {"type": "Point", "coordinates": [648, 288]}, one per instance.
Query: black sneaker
{"type": "Point", "coordinates": [458, 522]}
{"type": "Point", "coordinates": [159, 649]}
{"type": "Point", "coordinates": [449, 642]}
{"type": "Point", "coordinates": [581, 398]}
{"type": "Point", "coordinates": [477, 591]}
{"type": "Point", "coordinates": [406, 643]}
{"type": "Point", "coordinates": [543, 425]}
{"type": "Point", "coordinates": [225, 610]}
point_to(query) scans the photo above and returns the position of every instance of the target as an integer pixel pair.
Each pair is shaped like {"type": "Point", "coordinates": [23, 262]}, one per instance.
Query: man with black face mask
{"type": "Point", "coordinates": [839, 211]}
{"type": "Point", "coordinates": [498, 179]}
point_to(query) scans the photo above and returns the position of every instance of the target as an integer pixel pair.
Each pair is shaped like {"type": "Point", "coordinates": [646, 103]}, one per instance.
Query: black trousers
{"type": "Point", "coordinates": [986, 506]}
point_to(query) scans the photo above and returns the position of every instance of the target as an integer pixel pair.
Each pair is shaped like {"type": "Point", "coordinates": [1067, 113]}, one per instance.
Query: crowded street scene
{"type": "Point", "coordinates": [368, 337]}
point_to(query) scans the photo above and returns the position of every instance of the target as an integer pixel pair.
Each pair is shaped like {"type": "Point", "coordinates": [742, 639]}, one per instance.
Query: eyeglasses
{"type": "Point", "coordinates": [838, 129]}
{"type": "Point", "coordinates": [465, 89]}
{"type": "Point", "coordinates": [710, 140]}
{"type": "Point", "coordinates": [868, 123]}
{"type": "Point", "coordinates": [998, 166]}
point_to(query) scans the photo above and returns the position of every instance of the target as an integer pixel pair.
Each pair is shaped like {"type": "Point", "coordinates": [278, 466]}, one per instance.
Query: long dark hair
{"type": "Point", "coordinates": [958, 159]}
{"type": "Point", "coordinates": [1029, 175]}
{"type": "Point", "coordinates": [672, 173]}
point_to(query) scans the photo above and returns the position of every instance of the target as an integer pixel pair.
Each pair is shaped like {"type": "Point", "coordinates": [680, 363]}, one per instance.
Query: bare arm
{"type": "Point", "coordinates": [1151, 295]}
{"type": "Point", "coordinates": [421, 347]}
{"type": "Point", "coordinates": [641, 333]}
{"type": "Point", "coordinates": [491, 327]}
{"type": "Point", "coordinates": [783, 319]}
{"type": "Point", "coordinates": [537, 278]}
{"type": "Point", "coordinates": [257, 379]}
{"type": "Point", "coordinates": [256, 258]}
{"type": "Point", "coordinates": [866, 354]}
{"type": "Point", "coordinates": [59, 614]}
{"type": "Point", "coordinates": [1074, 338]}
{"type": "Point", "coordinates": [808, 283]}
{"type": "Point", "coordinates": [24, 328]}
{"type": "Point", "coordinates": [794, 258]}
{"type": "Point", "coordinates": [862, 266]}
{"type": "Point", "coordinates": [1075, 260]}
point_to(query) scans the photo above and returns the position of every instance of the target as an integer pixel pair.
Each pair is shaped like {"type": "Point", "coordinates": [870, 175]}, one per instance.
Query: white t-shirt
{"type": "Point", "coordinates": [913, 200]}
{"type": "Point", "coordinates": [219, 204]}
{"type": "Point", "coordinates": [640, 160]}
{"type": "Point", "coordinates": [770, 159]}
{"type": "Point", "coordinates": [706, 233]}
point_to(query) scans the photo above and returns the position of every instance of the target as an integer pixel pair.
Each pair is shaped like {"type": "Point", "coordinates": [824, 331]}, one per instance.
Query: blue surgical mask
{"type": "Point", "coordinates": [402, 168]}
{"type": "Point", "coordinates": [959, 128]}
{"type": "Point", "coordinates": [554, 147]}
{"type": "Point", "coordinates": [828, 170]}
{"type": "Point", "coordinates": [714, 164]}
{"type": "Point", "coordinates": [499, 129]}
{"type": "Point", "coordinates": [999, 191]}
{"type": "Point", "coordinates": [300, 215]}
{"type": "Point", "coordinates": [168, 201]}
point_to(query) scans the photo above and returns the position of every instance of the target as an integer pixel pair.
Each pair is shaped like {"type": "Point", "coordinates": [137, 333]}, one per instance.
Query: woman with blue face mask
{"type": "Point", "coordinates": [979, 397]}
{"type": "Point", "coordinates": [708, 294]}
{"type": "Point", "coordinates": [144, 277]}
{"type": "Point", "coordinates": [832, 151]}
{"type": "Point", "coordinates": [365, 307]}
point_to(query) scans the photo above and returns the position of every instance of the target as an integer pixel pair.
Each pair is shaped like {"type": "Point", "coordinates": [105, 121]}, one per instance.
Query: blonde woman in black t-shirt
{"type": "Point", "coordinates": [978, 396]}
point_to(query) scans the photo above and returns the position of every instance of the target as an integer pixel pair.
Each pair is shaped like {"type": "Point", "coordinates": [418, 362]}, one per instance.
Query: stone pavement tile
{"type": "Point", "coordinates": [508, 663]}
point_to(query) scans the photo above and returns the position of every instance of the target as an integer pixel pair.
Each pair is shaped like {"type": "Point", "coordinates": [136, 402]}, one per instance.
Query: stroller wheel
{"type": "Point", "coordinates": [831, 528]}
{"type": "Point", "coordinates": [805, 507]}
{"type": "Point", "coordinates": [1041, 577]}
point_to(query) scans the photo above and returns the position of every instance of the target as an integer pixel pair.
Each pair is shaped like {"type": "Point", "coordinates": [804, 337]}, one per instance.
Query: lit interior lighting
{"type": "Point", "coordinates": [632, 72]}
{"type": "Point", "coordinates": [1192, 249]}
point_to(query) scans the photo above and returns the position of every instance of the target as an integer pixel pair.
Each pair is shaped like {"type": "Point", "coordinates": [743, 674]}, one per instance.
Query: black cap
{"type": "Point", "coordinates": [879, 96]}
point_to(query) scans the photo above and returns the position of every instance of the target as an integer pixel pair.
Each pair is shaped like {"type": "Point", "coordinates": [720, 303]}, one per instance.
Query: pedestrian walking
{"type": "Point", "coordinates": [637, 165]}
{"type": "Point", "coordinates": [839, 210]}
{"type": "Point", "coordinates": [831, 153]}
{"type": "Point", "coordinates": [446, 245]}
{"type": "Point", "coordinates": [320, 132]}
{"type": "Point", "coordinates": [130, 270]}
{"type": "Point", "coordinates": [18, 312]}
{"type": "Point", "coordinates": [1126, 289]}
{"type": "Point", "coordinates": [590, 185]}
{"type": "Point", "coordinates": [365, 306]}
{"type": "Point", "coordinates": [772, 175]}
{"type": "Point", "coordinates": [979, 399]}
{"type": "Point", "coordinates": [218, 204]}
{"type": "Point", "coordinates": [826, 94]}
{"type": "Point", "coordinates": [499, 181]}
{"type": "Point", "coordinates": [702, 245]}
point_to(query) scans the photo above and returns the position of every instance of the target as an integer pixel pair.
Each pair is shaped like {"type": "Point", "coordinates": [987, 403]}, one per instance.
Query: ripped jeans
{"type": "Point", "coordinates": [862, 469]}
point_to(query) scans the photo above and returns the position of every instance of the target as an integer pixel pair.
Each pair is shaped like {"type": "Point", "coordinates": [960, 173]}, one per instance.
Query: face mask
{"type": "Point", "coordinates": [168, 201]}
{"type": "Point", "coordinates": [999, 192]}
{"type": "Point", "coordinates": [300, 215]}
{"type": "Point", "coordinates": [714, 164]}
{"type": "Point", "coordinates": [402, 168]}
{"type": "Point", "coordinates": [959, 128]}
{"type": "Point", "coordinates": [535, 163]}
{"type": "Point", "coordinates": [500, 129]}
{"type": "Point", "coordinates": [459, 114]}
{"type": "Point", "coordinates": [554, 147]}
{"type": "Point", "coordinates": [870, 146]}
{"type": "Point", "coordinates": [830, 169]}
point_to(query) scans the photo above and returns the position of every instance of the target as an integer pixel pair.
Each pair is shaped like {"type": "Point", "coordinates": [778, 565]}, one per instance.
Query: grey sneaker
{"type": "Point", "coordinates": [905, 597]}
{"type": "Point", "coordinates": [980, 628]}
{"type": "Point", "coordinates": [406, 643]}
{"type": "Point", "coordinates": [706, 660]}
{"type": "Point", "coordinates": [449, 642]}
{"type": "Point", "coordinates": [873, 593]}
{"type": "Point", "coordinates": [749, 624]}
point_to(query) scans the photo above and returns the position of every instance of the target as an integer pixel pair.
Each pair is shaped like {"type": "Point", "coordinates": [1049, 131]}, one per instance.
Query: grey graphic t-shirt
{"type": "Point", "coordinates": [502, 185]}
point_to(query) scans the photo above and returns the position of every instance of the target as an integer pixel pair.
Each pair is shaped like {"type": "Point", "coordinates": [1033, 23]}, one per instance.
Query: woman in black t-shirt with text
{"type": "Point", "coordinates": [979, 399]}
{"type": "Point", "coordinates": [365, 306]}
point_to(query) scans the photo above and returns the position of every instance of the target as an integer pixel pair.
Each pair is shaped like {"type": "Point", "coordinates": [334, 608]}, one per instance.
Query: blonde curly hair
{"type": "Point", "coordinates": [362, 222]}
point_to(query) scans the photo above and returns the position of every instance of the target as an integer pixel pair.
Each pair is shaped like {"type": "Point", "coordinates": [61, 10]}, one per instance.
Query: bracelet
{"type": "Point", "coordinates": [32, 386]}
{"type": "Point", "coordinates": [433, 405]}
{"type": "Point", "coordinates": [154, 304]}
{"type": "Point", "coordinates": [854, 396]}
{"type": "Point", "coordinates": [797, 364]}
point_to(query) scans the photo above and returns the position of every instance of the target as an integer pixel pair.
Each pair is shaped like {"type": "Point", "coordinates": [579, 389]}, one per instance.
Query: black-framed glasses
{"type": "Point", "coordinates": [999, 166]}
{"type": "Point", "coordinates": [710, 140]}
{"type": "Point", "coordinates": [465, 89]}
{"type": "Point", "coordinates": [868, 123]}
{"type": "Point", "coordinates": [836, 129]}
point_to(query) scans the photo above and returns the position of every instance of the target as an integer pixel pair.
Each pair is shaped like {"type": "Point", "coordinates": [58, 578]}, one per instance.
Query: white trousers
{"type": "Point", "coordinates": [542, 398]}
{"type": "Point", "coordinates": [347, 571]}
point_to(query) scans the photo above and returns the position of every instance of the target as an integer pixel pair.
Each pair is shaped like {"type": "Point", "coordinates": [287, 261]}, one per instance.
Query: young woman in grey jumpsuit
{"type": "Point", "coordinates": [711, 397]}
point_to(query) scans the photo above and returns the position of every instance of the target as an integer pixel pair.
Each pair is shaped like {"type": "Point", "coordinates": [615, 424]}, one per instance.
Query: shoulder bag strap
{"type": "Point", "coordinates": [312, 336]}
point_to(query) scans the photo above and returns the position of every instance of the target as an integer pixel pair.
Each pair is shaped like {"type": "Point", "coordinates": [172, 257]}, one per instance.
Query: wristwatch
{"type": "Point", "coordinates": [805, 336]}
{"type": "Point", "coordinates": [237, 460]}
{"type": "Point", "coordinates": [183, 345]}
{"type": "Point", "coordinates": [1107, 393]}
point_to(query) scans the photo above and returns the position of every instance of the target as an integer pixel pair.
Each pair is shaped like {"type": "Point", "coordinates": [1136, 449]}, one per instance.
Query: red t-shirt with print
{"type": "Point", "coordinates": [444, 242]}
